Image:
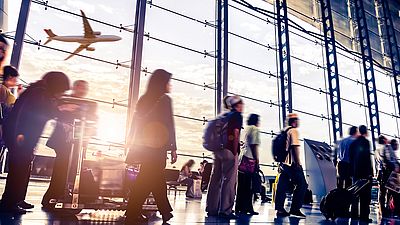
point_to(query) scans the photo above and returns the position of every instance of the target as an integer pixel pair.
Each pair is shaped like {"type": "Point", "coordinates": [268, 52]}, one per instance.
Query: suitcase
{"type": "Point", "coordinates": [337, 202]}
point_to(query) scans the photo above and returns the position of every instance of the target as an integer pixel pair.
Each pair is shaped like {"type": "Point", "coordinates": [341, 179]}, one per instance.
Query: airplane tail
{"type": "Point", "coordinates": [50, 34]}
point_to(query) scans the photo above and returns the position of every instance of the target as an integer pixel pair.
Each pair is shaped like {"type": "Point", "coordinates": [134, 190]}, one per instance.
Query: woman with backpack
{"type": "Point", "coordinates": [248, 168]}
{"type": "Point", "coordinates": [152, 135]}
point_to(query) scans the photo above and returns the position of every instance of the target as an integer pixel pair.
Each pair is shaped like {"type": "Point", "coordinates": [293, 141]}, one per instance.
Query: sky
{"type": "Point", "coordinates": [108, 83]}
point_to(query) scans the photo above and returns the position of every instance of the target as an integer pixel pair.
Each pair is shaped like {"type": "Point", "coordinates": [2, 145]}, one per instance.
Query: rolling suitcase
{"type": "Point", "coordinates": [337, 202]}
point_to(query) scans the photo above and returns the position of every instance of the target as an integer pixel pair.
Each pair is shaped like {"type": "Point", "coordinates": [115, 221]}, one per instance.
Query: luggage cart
{"type": "Point", "coordinates": [74, 200]}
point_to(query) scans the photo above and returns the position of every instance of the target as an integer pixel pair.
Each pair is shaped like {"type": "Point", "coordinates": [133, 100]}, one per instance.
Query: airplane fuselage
{"type": "Point", "coordinates": [83, 40]}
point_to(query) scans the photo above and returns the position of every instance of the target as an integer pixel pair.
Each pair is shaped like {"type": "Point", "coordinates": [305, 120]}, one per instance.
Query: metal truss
{"type": "Point", "coordinates": [368, 68]}
{"type": "Point", "coordinates": [284, 58]}
{"type": "Point", "coordinates": [222, 52]}
{"type": "Point", "coordinates": [392, 45]}
{"type": "Point", "coordinates": [332, 68]}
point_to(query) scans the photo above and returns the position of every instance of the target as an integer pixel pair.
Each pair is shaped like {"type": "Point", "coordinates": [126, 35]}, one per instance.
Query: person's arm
{"type": "Point", "coordinates": [171, 129]}
{"type": "Point", "coordinates": [295, 144]}
{"type": "Point", "coordinates": [236, 140]}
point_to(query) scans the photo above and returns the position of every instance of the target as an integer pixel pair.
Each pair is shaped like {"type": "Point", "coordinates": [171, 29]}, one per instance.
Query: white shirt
{"type": "Point", "coordinates": [252, 138]}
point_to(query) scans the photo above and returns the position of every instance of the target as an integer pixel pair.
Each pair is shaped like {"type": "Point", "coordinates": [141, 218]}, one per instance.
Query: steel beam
{"type": "Point", "coordinates": [332, 67]}
{"type": "Point", "coordinates": [20, 33]}
{"type": "Point", "coordinates": [225, 58]}
{"type": "Point", "coordinates": [219, 56]}
{"type": "Point", "coordinates": [284, 58]}
{"type": "Point", "coordinates": [136, 61]}
{"type": "Point", "coordinates": [368, 69]}
{"type": "Point", "coordinates": [392, 46]}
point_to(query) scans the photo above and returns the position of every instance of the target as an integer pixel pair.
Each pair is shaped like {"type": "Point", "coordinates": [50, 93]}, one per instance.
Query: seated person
{"type": "Point", "coordinates": [186, 177]}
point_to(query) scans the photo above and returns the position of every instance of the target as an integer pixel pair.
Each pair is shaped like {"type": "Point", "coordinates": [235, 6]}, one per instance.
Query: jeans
{"type": "Point", "coordinates": [295, 175]}
{"type": "Point", "coordinates": [344, 179]}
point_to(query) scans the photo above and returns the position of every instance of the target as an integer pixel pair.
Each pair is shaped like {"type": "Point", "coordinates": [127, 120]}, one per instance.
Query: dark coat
{"type": "Point", "coordinates": [152, 129]}
{"type": "Point", "coordinates": [360, 158]}
{"type": "Point", "coordinates": [29, 115]}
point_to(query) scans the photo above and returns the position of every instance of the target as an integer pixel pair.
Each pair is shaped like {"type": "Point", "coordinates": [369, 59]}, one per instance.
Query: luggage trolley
{"type": "Point", "coordinates": [86, 172]}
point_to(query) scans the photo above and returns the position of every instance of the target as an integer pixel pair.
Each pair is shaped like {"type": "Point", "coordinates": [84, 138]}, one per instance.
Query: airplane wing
{"type": "Point", "coordinates": [86, 27]}
{"type": "Point", "coordinates": [79, 49]}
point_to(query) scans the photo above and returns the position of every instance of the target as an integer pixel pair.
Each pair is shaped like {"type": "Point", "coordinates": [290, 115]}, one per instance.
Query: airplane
{"type": "Point", "coordinates": [86, 40]}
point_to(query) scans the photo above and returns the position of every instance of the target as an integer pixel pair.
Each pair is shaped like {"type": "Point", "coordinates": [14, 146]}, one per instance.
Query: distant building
{"type": "Point", "coordinates": [4, 15]}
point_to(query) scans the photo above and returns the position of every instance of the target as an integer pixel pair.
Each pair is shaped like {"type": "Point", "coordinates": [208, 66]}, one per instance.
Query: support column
{"type": "Point", "coordinates": [225, 58]}
{"type": "Point", "coordinates": [368, 69]}
{"type": "Point", "coordinates": [20, 33]}
{"type": "Point", "coordinates": [136, 61]}
{"type": "Point", "coordinates": [284, 58]}
{"type": "Point", "coordinates": [332, 67]}
{"type": "Point", "coordinates": [392, 46]}
{"type": "Point", "coordinates": [219, 57]}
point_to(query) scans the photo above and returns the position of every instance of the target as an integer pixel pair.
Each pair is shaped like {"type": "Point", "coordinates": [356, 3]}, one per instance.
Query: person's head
{"type": "Point", "coordinates": [225, 101]}
{"type": "Point", "coordinates": [293, 120]}
{"type": "Point", "coordinates": [382, 140]}
{"type": "Point", "coordinates": [236, 103]}
{"type": "Point", "coordinates": [56, 83]}
{"type": "Point", "coordinates": [253, 120]}
{"type": "Point", "coordinates": [363, 130]}
{"type": "Point", "coordinates": [3, 49]}
{"type": "Point", "coordinates": [394, 144]}
{"type": "Point", "coordinates": [189, 164]}
{"type": "Point", "coordinates": [80, 88]}
{"type": "Point", "coordinates": [353, 131]}
{"type": "Point", "coordinates": [10, 76]}
{"type": "Point", "coordinates": [159, 83]}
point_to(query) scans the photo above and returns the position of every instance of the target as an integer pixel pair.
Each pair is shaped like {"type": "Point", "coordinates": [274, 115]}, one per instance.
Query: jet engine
{"type": "Point", "coordinates": [90, 49]}
{"type": "Point", "coordinates": [96, 32]}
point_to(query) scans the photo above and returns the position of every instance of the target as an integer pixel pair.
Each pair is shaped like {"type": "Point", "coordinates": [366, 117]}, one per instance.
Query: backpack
{"type": "Point", "coordinates": [215, 135]}
{"type": "Point", "coordinates": [279, 146]}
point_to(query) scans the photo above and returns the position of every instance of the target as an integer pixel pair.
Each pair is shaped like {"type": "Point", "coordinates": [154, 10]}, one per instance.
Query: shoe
{"type": "Point", "coordinates": [366, 220]}
{"type": "Point", "coordinates": [282, 213]}
{"type": "Point", "coordinates": [228, 217]}
{"type": "Point", "coordinates": [167, 217]}
{"type": "Point", "coordinates": [12, 210]}
{"type": "Point", "coordinates": [297, 213]}
{"type": "Point", "coordinates": [25, 205]}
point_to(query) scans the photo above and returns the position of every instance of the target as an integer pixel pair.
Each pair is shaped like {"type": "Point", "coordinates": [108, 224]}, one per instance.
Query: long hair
{"type": "Point", "coordinates": [189, 164]}
{"type": "Point", "coordinates": [156, 87]}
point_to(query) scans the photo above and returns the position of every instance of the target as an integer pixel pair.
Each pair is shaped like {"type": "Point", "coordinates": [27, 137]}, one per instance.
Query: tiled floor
{"type": "Point", "coordinates": [185, 212]}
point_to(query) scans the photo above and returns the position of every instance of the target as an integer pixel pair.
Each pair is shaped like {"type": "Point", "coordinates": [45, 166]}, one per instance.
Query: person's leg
{"type": "Point", "coordinates": [248, 203]}
{"type": "Point", "coordinates": [281, 189]}
{"type": "Point", "coordinates": [365, 201]}
{"type": "Point", "coordinates": [354, 206]}
{"type": "Point", "coordinates": [19, 167]}
{"type": "Point", "coordinates": [382, 198]}
{"type": "Point", "coordinates": [189, 187]}
{"type": "Point", "coordinates": [214, 189]}
{"type": "Point", "coordinates": [229, 173]}
{"type": "Point", "coordinates": [241, 193]}
{"type": "Point", "coordinates": [159, 189]}
{"type": "Point", "coordinates": [140, 191]}
{"type": "Point", "coordinates": [340, 183]}
{"type": "Point", "coordinates": [300, 189]}
{"type": "Point", "coordinates": [58, 180]}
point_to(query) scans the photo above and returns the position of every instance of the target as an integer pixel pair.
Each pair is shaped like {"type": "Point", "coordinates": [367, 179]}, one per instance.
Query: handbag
{"type": "Point", "coordinates": [247, 165]}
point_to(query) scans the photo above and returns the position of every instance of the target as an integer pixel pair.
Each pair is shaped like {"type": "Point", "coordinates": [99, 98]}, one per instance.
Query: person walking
{"type": "Point", "coordinates": [361, 166]}
{"type": "Point", "coordinates": [22, 130]}
{"type": "Point", "coordinates": [244, 200]}
{"type": "Point", "coordinates": [291, 171]}
{"type": "Point", "coordinates": [387, 163]}
{"type": "Point", "coordinates": [343, 165]}
{"type": "Point", "coordinates": [222, 189]}
{"type": "Point", "coordinates": [152, 135]}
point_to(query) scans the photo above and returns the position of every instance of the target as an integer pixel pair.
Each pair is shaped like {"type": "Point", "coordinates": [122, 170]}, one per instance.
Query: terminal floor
{"type": "Point", "coordinates": [185, 212]}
